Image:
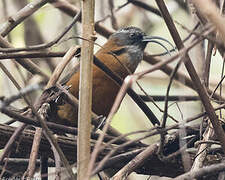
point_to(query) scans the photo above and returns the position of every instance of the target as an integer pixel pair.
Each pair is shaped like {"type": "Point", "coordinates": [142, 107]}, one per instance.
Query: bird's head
{"type": "Point", "coordinates": [130, 37]}
{"type": "Point", "coordinates": [128, 45]}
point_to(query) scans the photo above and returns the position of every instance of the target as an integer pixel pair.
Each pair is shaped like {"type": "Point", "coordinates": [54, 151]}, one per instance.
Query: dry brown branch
{"type": "Point", "coordinates": [85, 93]}
{"type": "Point", "coordinates": [209, 10]}
{"type": "Point", "coordinates": [9, 144]}
{"type": "Point", "coordinates": [136, 162]}
{"type": "Point", "coordinates": [8, 48]}
{"type": "Point", "coordinates": [32, 55]}
{"type": "Point", "coordinates": [49, 135]}
{"type": "Point", "coordinates": [68, 146]}
{"type": "Point", "coordinates": [208, 170]}
{"type": "Point", "coordinates": [127, 83]}
{"type": "Point", "coordinates": [72, 10]}
{"type": "Point", "coordinates": [26, 63]}
{"type": "Point", "coordinates": [202, 149]}
{"type": "Point", "coordinates": [148, 112]}
{"type": "Point", "coordinates": [16, 19]}
{"type": "Point", "coordinates": [34, 154]}
{"type": "Point", "coordinates": [186, 80]}
{"type": "Point", "coordinates": [195, 78]}
{"type": "Point", "coordinates": [60, 67]}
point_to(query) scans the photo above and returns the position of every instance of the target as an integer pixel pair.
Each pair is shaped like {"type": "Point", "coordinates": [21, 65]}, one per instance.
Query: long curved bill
{"type": "Point", "coordinates": [154, 39]}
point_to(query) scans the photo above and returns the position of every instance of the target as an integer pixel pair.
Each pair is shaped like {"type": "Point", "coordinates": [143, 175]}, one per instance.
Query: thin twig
{"type": "Point", "coordinates": [26, 63]}
{"type": "Point", "coordinates": [148, 112]}
{"type": "Point", "coordinates": [47, 45]}
{"type": "Point", "coordinates": [21, 15]}
{"type": "Point", "coordinates": [170, 98]}
{"type": "Point", "coordinates": [119, 97]}
{"type": "Point", "coordinates": [209, 10]}
{"type": "Point", "coordinates": [34, 153]}
{"type": "Point", "coordinates": [11, 141]}
{"type": "Point", "coordinates": [51, 138]}
{"type": "Point", "coordinates": [32, 55]}
{"type": "Point", "coordinates": [163, 123]}
{"type": "Point", "coordinates": [22, 126]}
{"type": "Point", "coordinates": [136, 162]}
{"type": "Point", "coordinates": [193, 74]}
{"type": "Point", "coordinates": [61, 66]}
{"type": "Point", "coordinates": [204, 171]}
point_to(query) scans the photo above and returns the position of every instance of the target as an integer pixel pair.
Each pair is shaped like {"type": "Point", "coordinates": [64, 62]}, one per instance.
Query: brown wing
{"type": "Point", "coordinates": [104, 88]}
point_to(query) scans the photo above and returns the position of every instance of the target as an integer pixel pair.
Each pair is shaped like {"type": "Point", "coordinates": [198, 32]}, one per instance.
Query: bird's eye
{"type": "Point", "coordinates": [132, 35]}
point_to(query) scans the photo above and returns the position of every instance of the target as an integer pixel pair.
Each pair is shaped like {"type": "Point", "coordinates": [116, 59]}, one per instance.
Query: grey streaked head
{"type": "Point", "coordinates": [130, 36]}
{"type": "Point", "coordinates": [132, 41]}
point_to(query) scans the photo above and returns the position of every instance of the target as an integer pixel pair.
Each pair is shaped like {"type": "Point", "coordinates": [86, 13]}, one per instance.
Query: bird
{"type": "Point", "coordinates": [122, 53]}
